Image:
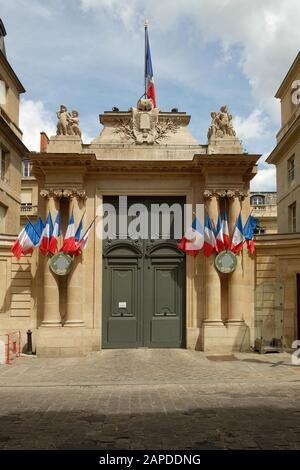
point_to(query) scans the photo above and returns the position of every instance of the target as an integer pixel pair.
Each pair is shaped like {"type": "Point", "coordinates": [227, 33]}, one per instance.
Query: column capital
{"type": "Point", "coordinates": [225, 193]}
{"type": "Point", "coordinates": [79, 194]}
{"type": "Point", "coordinates": [68, 193]}
{"type": "Point", "coordinates": [51, 193]}
{"type": "Point", "coordinates": [210, 193]}
{"type": "Point", "coordinates": [242, 195]}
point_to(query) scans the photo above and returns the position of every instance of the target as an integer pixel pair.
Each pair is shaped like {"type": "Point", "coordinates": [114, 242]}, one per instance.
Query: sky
{"type": "Point", "coordinates": [89, 55]}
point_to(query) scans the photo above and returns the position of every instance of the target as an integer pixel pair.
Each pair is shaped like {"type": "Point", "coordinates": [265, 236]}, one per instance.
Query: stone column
{"type": "Point", "coordinates": [212, 278]}
{"type": "Point", "coordinates": [75, 277]}
{"type": "Point", "coordinates": [235, 280]}
{"type": "Point", "coordinates": [51, 313]}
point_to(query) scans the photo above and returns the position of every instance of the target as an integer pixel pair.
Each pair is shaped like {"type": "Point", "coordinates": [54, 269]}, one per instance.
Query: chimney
{"type": "Point", "coordinates": [44, 142]}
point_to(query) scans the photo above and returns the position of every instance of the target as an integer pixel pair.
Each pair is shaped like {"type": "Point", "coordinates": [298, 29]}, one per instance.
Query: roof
{"type": "Point", "coordinates": [295, 65]}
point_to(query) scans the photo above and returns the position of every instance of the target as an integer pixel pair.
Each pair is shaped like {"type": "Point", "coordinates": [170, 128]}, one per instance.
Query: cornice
{"type": "Point", "coordinates": [285, 142]}
{"type": "Point", "coordinates": [277, 240]}
{"type": "Point", "coordinates": [4, 62]}
{"type": "Point", "coordinates": [14, 140]}
{"type": "Point", "coordinates": [288, 77]}
{"type": "Point", "coordinates": [114, 118]}
{"type": "Point", "coordinates": [200, 164]}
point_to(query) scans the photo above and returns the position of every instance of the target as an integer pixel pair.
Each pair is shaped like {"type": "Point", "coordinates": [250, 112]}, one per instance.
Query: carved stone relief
{"type": "Point", "coordinates": [63, 193]}
{"type": "Point", "coordinates": [144, 126]}
{"type": "Point", "coordinates": [225, 193]}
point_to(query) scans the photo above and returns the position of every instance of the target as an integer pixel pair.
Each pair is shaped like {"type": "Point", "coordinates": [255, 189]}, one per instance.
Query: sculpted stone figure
{"type": "Point", "coordinates": [63, 117]}
{"type": "Point", "coordinates": [73, 127]}
{"type": "Point", "coordinates": [221, 124]}
{"type": "Point", "coordinates": [68, 124]}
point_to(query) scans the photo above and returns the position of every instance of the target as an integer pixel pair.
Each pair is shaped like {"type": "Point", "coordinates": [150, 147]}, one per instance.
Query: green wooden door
{"type": "Point", "coordinates": [143, 291]}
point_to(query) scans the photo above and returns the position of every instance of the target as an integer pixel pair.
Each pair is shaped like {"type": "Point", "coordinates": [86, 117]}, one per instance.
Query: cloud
{"type": "Point", "coordinates": [34, 7]}
{"type": "Point", "coordinates": [265, 180]}
{"type": "Point", "coordinates": [267, 34]}
{"type": "Point", "coordinates": [205, 53]}
{"type": "Point", "coordinates": [34, 118]}
{"type": "Point", "coordinates": [255, 126]}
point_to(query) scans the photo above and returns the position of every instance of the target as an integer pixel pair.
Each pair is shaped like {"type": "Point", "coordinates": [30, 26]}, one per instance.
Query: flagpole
{"type": "Point", "coordinates": [89, 227]}
{"type": "Point", "coordinates": [145, 76]}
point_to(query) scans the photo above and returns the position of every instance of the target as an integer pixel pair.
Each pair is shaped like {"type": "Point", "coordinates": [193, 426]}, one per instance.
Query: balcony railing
{"type": "Point", "coordinates": [269, 210]}
{"type": "Point", "coordinates": [27, 209]}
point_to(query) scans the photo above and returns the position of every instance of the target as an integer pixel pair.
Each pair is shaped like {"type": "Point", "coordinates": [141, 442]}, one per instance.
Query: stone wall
{"type": "Point", "coordinates": [278, 263]}
{"type": "Point", "coordinates": [18, 306]}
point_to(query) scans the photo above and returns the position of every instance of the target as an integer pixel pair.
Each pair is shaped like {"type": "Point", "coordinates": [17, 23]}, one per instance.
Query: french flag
{"type": "Point", "coordinates": [69, 245]}
{"type": "Point", "coordinates": [209, 237]}
{"type": "Point", "coordinates": [39, 227]}
{"type": "Point", "coordinates": [149, 72]}
{"type": "Point", "coordinates": [193, 239]}
{"type": "Point", "coordinates": [82, 244]}
{"type": "Point", "coordinates": [249, 228]}
{"type": "Point", "coordinates": [79, 230]}
{"type": "Point", "coordinates": [26, 241]}
{"type": "Point", "coordinates": [219, 235]}
{"type": "Point", "coordinates": [46, 235]}
{"type": "Point", "coordinates": [238, 236]}
{"type": "Point", "coordinates": [55, 235]}
{"type": "Point", "coordinates": [226, 238]}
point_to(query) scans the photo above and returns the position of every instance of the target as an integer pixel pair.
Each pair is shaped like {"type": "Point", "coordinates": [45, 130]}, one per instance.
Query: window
{"type": "Point", "coordinates": [292, 217]}
{"type": "Point", "coordinates": [26, 197]}
{"type": "Point", "coordinates": [3, 92]}
{"type": "Point", "coordinates": [2, 218]}
{"type": "Point", "coordinates": [259, 230]}
{"type": "Point", "coordinates": [257, 200]}
{"type": "Point", "coordinates": [26, 168]}
{"type": "Point", "coordinates": [291, 169]}
{"type": "Point", "coordinates": [3, 161]}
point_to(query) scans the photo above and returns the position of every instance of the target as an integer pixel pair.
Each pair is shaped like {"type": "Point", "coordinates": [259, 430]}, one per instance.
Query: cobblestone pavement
{"type": "Point", "coordinates": [150, 399]}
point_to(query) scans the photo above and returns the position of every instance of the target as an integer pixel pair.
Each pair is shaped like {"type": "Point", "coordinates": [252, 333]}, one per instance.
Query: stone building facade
{"type": "Point", "coordinates": [264, 208]}
{"type": "Point", "coordinates": [278, 256]}
{"type": "Point", "coordinates": [11, 146]}
{"type": "Point", "coordinates": [286, 154]}
{"type": "Point", "coordinates": [15, 291]}
{"type": "Point", "coordinates": [149, 156]}
{"type": "Point", "coordinates": [123, 292]}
